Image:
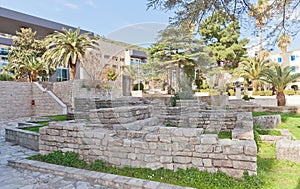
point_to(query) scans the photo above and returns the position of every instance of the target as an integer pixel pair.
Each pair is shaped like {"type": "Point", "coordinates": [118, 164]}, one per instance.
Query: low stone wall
{"type": "Point", "coordinates": [155, 147]}
{"type": "Point", "coordinates": [218, 100]}
{"type": "Point", "coordinates": [23, 138]}
{"type": "Point", "coordinates": [69, 90]}
{"type": "Point", "coordinates": [288, 150]}
{"type": "Point", "coordinates": [119, 115]}
{"type": "Point", "coordinates": [265, 101]}
{"type": "Point", "coordinates": [267, 121]}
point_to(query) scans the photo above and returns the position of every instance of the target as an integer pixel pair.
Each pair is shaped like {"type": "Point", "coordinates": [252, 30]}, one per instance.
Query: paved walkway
{"type": "Point", "coordinates": [11, 178]}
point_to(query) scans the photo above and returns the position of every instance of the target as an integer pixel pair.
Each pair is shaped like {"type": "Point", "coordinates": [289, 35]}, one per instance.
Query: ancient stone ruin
{"type": "Point", "coordinates": [153, 135]}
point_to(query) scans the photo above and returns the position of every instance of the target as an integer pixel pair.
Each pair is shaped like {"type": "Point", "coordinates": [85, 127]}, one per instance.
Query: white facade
{"type": "Point", "coordinates": [291, 58]}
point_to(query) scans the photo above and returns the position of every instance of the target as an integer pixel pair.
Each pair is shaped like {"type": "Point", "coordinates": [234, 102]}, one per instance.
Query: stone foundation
{"type": "Point", "coordinates": [155, 146]}
{"type": "Point", "coordinates": [23, 138]}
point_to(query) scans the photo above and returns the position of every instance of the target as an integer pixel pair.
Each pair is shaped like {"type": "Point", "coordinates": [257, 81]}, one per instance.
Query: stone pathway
{"type": "Point", "coordinates": [12, 178]}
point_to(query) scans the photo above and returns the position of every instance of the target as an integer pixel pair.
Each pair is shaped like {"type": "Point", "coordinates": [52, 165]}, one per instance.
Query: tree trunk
{"type": "Point", "coordinates": [72, 71]}
{"type": "Point", "coordinates": [33, 76]}
{"type": "Point", "coordinates": [280, 98]}
{"type": "Point", "coordinates": [260, 53]}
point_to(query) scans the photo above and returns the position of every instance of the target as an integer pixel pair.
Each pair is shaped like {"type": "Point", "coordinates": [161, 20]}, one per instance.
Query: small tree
{"type": "Point", "coordinates": [65, 49]}
{"type": "Point", "coordinates": [24, 58]}
{"type": "Point", "coordinates": [280, 78]}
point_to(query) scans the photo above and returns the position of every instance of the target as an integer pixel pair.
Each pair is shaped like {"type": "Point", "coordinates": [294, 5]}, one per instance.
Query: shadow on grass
{"type": "Point", "coordinates": [298, 186]}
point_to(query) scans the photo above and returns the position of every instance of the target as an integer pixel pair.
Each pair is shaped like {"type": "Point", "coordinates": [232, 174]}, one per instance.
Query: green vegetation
{"type": "Point", "coordinates": [268, 132]}
{"type": "Point", "coordinates": [45, 123]}
{"type": "Point", "coordinates": [288, 121]}
{"type": "Point", "coordinates": [276, 174]}
{"type": "Point", "coordinates": [190, 177]}
{"type": "Point", "coordinates": [225, 134]}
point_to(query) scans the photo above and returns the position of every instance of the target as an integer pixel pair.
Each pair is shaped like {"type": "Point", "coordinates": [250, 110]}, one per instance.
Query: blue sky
{"type": "Point", "coordinates": [127, 21]}
{"type": "Point", "coordinates": [121, 20]}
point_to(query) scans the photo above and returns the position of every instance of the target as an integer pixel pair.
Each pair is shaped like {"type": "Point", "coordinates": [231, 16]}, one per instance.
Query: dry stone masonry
{"type": "Point", "coordinates": [110, 136]}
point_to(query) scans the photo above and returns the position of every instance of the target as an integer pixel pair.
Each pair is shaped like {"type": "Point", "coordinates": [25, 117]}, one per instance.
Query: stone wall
{"type": "Point", "coordinates": [288, 150]}
{"type": "Point", "coordinates": [24, 99]}
{"type": "Point", "coordinates": [69, 90]}
{"type": "Point", "coordinates": [153, 147]}
{"type": "Point", "coordinates": [267, 121]}
{"type": "Point", "coordinates": [265, 101]}
{"type": "Point", "coordinates": [23, 138]}
{"type": "Point", "coordinates": [120, 115]}
{"type": "Point", "coordinates": [15, 99]}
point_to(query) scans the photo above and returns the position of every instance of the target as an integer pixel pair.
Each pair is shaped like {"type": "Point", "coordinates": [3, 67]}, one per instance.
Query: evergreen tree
{"type": "Point", "coordinates": [175, 50]}
{"type": "Point", "coordinates": [221, 34]}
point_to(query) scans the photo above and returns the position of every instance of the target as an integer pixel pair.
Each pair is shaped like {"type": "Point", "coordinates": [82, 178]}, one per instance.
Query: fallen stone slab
{"type": "Point", "coordinates": [288, 150]}
{"type": "Point", "coordinates": [103, 179]}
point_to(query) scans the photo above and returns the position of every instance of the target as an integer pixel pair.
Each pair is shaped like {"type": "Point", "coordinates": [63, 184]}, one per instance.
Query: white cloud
{"type": "Point", "coordinates": [91, 3]}
{"type": "Point", "coordinates": [67, 4]}
{"type": "Point", "coordinates": [71, 5]}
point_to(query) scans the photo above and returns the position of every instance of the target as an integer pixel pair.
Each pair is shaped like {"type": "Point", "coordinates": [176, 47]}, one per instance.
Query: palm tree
{"type": "Point", "coordinates": [283, 41]}
{"type": "Point", "coordinates": [34, 67]}
{"type": "Point", "coordinates": [67, 48]}
{"type": "Point", "coordinates": [260, 13]}
{"type": "Point", "coordinates": [253, 70]}
{"type": "Point", "coordinates": [280, 78]}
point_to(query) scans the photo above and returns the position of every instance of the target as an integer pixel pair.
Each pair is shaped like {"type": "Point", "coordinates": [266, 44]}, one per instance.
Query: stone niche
{"type": "Point", "coordinates": [133, 136]}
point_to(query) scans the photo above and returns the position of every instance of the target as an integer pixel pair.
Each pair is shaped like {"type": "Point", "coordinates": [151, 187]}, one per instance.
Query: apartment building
{"type": "Point", "coordinates": [112, 53]}
{"type": "Point", "coordinates": [291, 58]}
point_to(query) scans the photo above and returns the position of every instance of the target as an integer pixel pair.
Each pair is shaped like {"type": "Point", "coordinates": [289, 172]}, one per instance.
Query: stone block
{"type": "Point", "coordinates": [204, 148]}
{"type": "Point", "coordinates": [197, 162]}
{"type": "Point", "coordinates": [244, 165]}
{"type": "Point", "coordinates": [222, 163]}
{"type": "Point", "coordinates": [242, 157]}
{"type": "Point", "coordinates": [209, 139]}
{"type": "Point", "coordinates": [166, 159]}
{"type": "Point", "coordinates": [151, 138]}
{"type": "Point", "coordinates": [233, 149]}
{"type": "Point", "coordinates": [164, 138]}
{"type": "Point", "coordinates": [182, 160]}
{"type": "Point", "coordinates": [207, 162]}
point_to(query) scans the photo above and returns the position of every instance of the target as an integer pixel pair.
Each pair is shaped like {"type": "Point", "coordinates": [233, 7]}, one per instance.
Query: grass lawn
{"type": "Point", "coordinates": [45, 123]}
{"type": "Point", "coordinates": [276, 174]}
{"type": "Point", "coordinates": [289, 121]}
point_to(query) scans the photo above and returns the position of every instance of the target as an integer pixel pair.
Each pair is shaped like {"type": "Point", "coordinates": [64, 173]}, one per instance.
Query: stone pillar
{"type": "Point", "coordinates": [126, 85]}
{"type": "Point", "coordinates": [238, 93]}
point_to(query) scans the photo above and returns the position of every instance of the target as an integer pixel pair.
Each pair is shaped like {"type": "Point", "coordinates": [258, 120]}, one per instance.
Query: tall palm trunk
{"type": "Point", "coordinates": [260, 53]}
{"type": "Point", "coordinates": [72, 71]}
{"type": "Point", "coordinates": [281, 101]}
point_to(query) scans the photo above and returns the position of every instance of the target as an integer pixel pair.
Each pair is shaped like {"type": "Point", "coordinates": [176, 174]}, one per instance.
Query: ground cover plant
{"type": "Point", "coordinates": [45, 123]}
{"type": "Point", "coordinates": [190, 177]}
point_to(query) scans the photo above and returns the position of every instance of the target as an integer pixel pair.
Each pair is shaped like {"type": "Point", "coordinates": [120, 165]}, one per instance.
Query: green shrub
{"type": "Point", "coordinates": [289, 92]}
{"type": "Point", "coordinates": [247, 98]}
{"type": "Point", "coordinates": [231, 92]}
{"type": "Point", "coordinates": [6, 77]}
{"type": "Point", "coordinates": [138, 86]}
{"type": "Point", "coordinates": [262, 93]}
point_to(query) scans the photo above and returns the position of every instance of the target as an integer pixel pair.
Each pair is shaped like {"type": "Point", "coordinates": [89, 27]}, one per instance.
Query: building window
{"type": "Point", "coordinates": [62, 74]}
{"type": "Point", "coordinates": [122, 59]}
{"type": "Point", "coordinates": [106, 56]}
{"type": "Point", "coordinates": [279, 60]}
{"type": "Point", "coordinates": [293, 58]}
{"type": "Point", "coordinates": [293, 69]}
{"type": "Point", "coordinates": [115, 58]}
